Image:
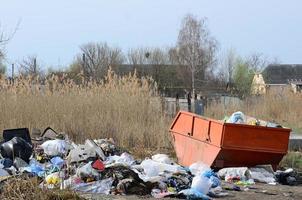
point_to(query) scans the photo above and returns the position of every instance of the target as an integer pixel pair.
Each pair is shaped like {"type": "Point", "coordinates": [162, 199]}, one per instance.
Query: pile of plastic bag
{"type": "Point", "coordinates": [100, 167]}
{"type": "Point", "coordinates": [240, 118]}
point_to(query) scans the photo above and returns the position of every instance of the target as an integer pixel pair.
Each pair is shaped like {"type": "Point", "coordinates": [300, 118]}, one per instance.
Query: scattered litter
{"type": "Point", "coordinates": [100, 167]}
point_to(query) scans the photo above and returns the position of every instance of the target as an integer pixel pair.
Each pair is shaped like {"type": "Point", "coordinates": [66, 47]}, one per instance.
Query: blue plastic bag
{"type": "Point", "coordinates": [194, 194]}
{"type": "Point", "coordinates": [57, 161]}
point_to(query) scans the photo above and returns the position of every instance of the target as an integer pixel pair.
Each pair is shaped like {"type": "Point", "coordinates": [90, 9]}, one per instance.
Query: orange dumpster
{"type": "Point", "coordinates": [221, 144]}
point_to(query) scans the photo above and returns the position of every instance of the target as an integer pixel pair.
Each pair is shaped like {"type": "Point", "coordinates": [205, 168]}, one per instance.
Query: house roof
{"type": "Point", "coordinates": [282, 74]}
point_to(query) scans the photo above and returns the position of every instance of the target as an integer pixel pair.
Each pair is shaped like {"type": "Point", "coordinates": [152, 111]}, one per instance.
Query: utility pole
{"type": "Point", "coordinates": [35, 66]}
{"type": "Point", "coordinates": [83, 66]}
{"type": "Point", "coordinates": [13, 68]}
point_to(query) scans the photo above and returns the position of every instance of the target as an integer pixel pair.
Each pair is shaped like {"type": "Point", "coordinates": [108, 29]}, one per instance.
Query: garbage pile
{"type": "Point", "coordinates": [100, 167]}
{"type": "Point", "coordinates": [240, 118]}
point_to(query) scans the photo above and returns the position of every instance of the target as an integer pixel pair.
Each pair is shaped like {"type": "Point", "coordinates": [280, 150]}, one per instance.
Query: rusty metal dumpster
{"type": "Point", "coordinates": [220, 144]}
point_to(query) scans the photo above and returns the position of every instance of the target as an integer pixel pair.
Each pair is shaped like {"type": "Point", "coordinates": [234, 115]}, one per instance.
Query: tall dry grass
{"type": "Point", "coordinates": [283, 107]}
{"type": "Point", "coordinates": [127, 109]}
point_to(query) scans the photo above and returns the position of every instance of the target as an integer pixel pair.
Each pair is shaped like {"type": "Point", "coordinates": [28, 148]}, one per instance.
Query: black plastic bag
{"type": "Point", "coordinates": [16, 147]}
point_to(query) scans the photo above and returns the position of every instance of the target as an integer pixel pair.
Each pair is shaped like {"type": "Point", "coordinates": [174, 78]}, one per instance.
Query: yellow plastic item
{"type": "Point", "coordinates": [53, 179]}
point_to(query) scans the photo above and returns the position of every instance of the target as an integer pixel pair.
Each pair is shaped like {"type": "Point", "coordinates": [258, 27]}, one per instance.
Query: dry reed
{"type": "Point", "coordinates": [282, 107]}
{"type": "Point", "coordinates": [127, 109]}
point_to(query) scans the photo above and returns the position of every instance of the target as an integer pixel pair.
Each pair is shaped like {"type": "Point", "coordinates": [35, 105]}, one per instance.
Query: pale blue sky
{"type": "Point", "coordinates": [53, 30]}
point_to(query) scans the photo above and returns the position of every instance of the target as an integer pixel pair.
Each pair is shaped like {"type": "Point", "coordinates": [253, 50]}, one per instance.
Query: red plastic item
{"type": "Point", "coordinates": [99, 165]}
{"type": "Point", "coordinates": [220, 144]}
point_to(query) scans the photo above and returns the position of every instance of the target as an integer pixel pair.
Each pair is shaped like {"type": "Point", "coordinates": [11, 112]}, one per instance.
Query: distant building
{"type": "Point", "coordinates": [278, 78]}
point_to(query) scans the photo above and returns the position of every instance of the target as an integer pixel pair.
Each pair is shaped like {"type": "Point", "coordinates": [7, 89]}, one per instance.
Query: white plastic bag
{"type": "Point", "coordinates": [153, 168]}
{"type": "Point", "coordinates": [262, 175]}
{"type": "Point", "coordinates": [239, 172]}
{"type": "Point", "coordinates": [198, 168]}
{"type": "Point", "coordinates": [55, 147]}
{"type": "Point", "coordinates": [124, 158]}
{"type": "Point", "coordinates": [237, 118]}
{"type": "Point", "coordinates": [201, 184]}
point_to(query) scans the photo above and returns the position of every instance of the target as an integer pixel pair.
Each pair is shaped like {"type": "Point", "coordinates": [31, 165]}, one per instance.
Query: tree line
{"type": "Point", "coordinates": [190, 63]}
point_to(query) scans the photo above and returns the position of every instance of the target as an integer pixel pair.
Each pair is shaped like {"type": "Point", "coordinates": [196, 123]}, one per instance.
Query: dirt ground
{"type": "Point", "coordinates": [256, 192]}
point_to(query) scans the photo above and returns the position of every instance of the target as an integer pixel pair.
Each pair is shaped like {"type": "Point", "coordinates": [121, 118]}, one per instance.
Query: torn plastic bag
{"type": "Point", "coordinates": [97, 187]}
{"type": "Point", "coordinates": [55, 147]}
{"type": "Point", "coordinates": [16, 147]}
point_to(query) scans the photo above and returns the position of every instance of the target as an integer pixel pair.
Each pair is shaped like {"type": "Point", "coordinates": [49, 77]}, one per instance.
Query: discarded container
{"type": "Point", "coordinates": [23, 133]}
{"type": "Point", "coordinates": [219, 144]}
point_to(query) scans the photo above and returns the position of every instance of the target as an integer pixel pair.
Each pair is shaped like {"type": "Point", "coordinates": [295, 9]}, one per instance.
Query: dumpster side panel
{"type": "Point", "coordinates": [239, 158]}
{"type": "Point", "coordinates": [190, 150]}
{"type": "Point", "coordinates": [183, 124]}
{"type": "Point", "coordinates": [201, 129]}
{"type": "Point", "coordinates": [216, 133]}
{"type": "Point", "coordinates": [255, 138]}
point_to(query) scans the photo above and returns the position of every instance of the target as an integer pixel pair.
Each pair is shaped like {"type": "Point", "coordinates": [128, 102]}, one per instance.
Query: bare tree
{"type": "Point", "coordinates": [229, 63]}
{"type": "Point", "coordinates": [6, 37]}
{"type": "Point", "coordinates": [195, 48]}
{"type": "Point", "coordinates": [96, 58]}
{"type": "Point", "coordinates": [138, 56]}
{"type": "Point", "coordinates": [257, 62]}
{"type": "Point", "coordinates": [29, 66]}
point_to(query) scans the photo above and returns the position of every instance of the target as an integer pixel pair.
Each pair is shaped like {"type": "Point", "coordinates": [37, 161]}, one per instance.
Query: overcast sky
{"type": "Point", "coordinates": [53, 30]}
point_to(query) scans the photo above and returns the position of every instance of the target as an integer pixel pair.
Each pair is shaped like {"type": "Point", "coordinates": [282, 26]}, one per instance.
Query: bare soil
{"type": "Point", "coordinates": [256, 192]}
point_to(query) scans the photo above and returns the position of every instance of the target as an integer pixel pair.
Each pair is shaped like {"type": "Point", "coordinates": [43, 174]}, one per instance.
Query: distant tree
{"type": "Point", "coordinates": [195, 48]}
{"type": "Point", "coordinates": [30, 67]}
{"type": "Point", "coordinates": [228, 64]}
{"type": "Point", "coordinates": [5, 38]}
{"type": "Point", "coordinates": [3, 41]}
{"type": "Point", "coordinates": [95, 59]}
{"type": "Point", "coordinates": [242, 77]}
{"type": "Point", "coordinates": [138, 56]}
{"type": "Point", "coordinates": [258, 61]}
{"type": "Point", "coordinates": [2, 67]}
